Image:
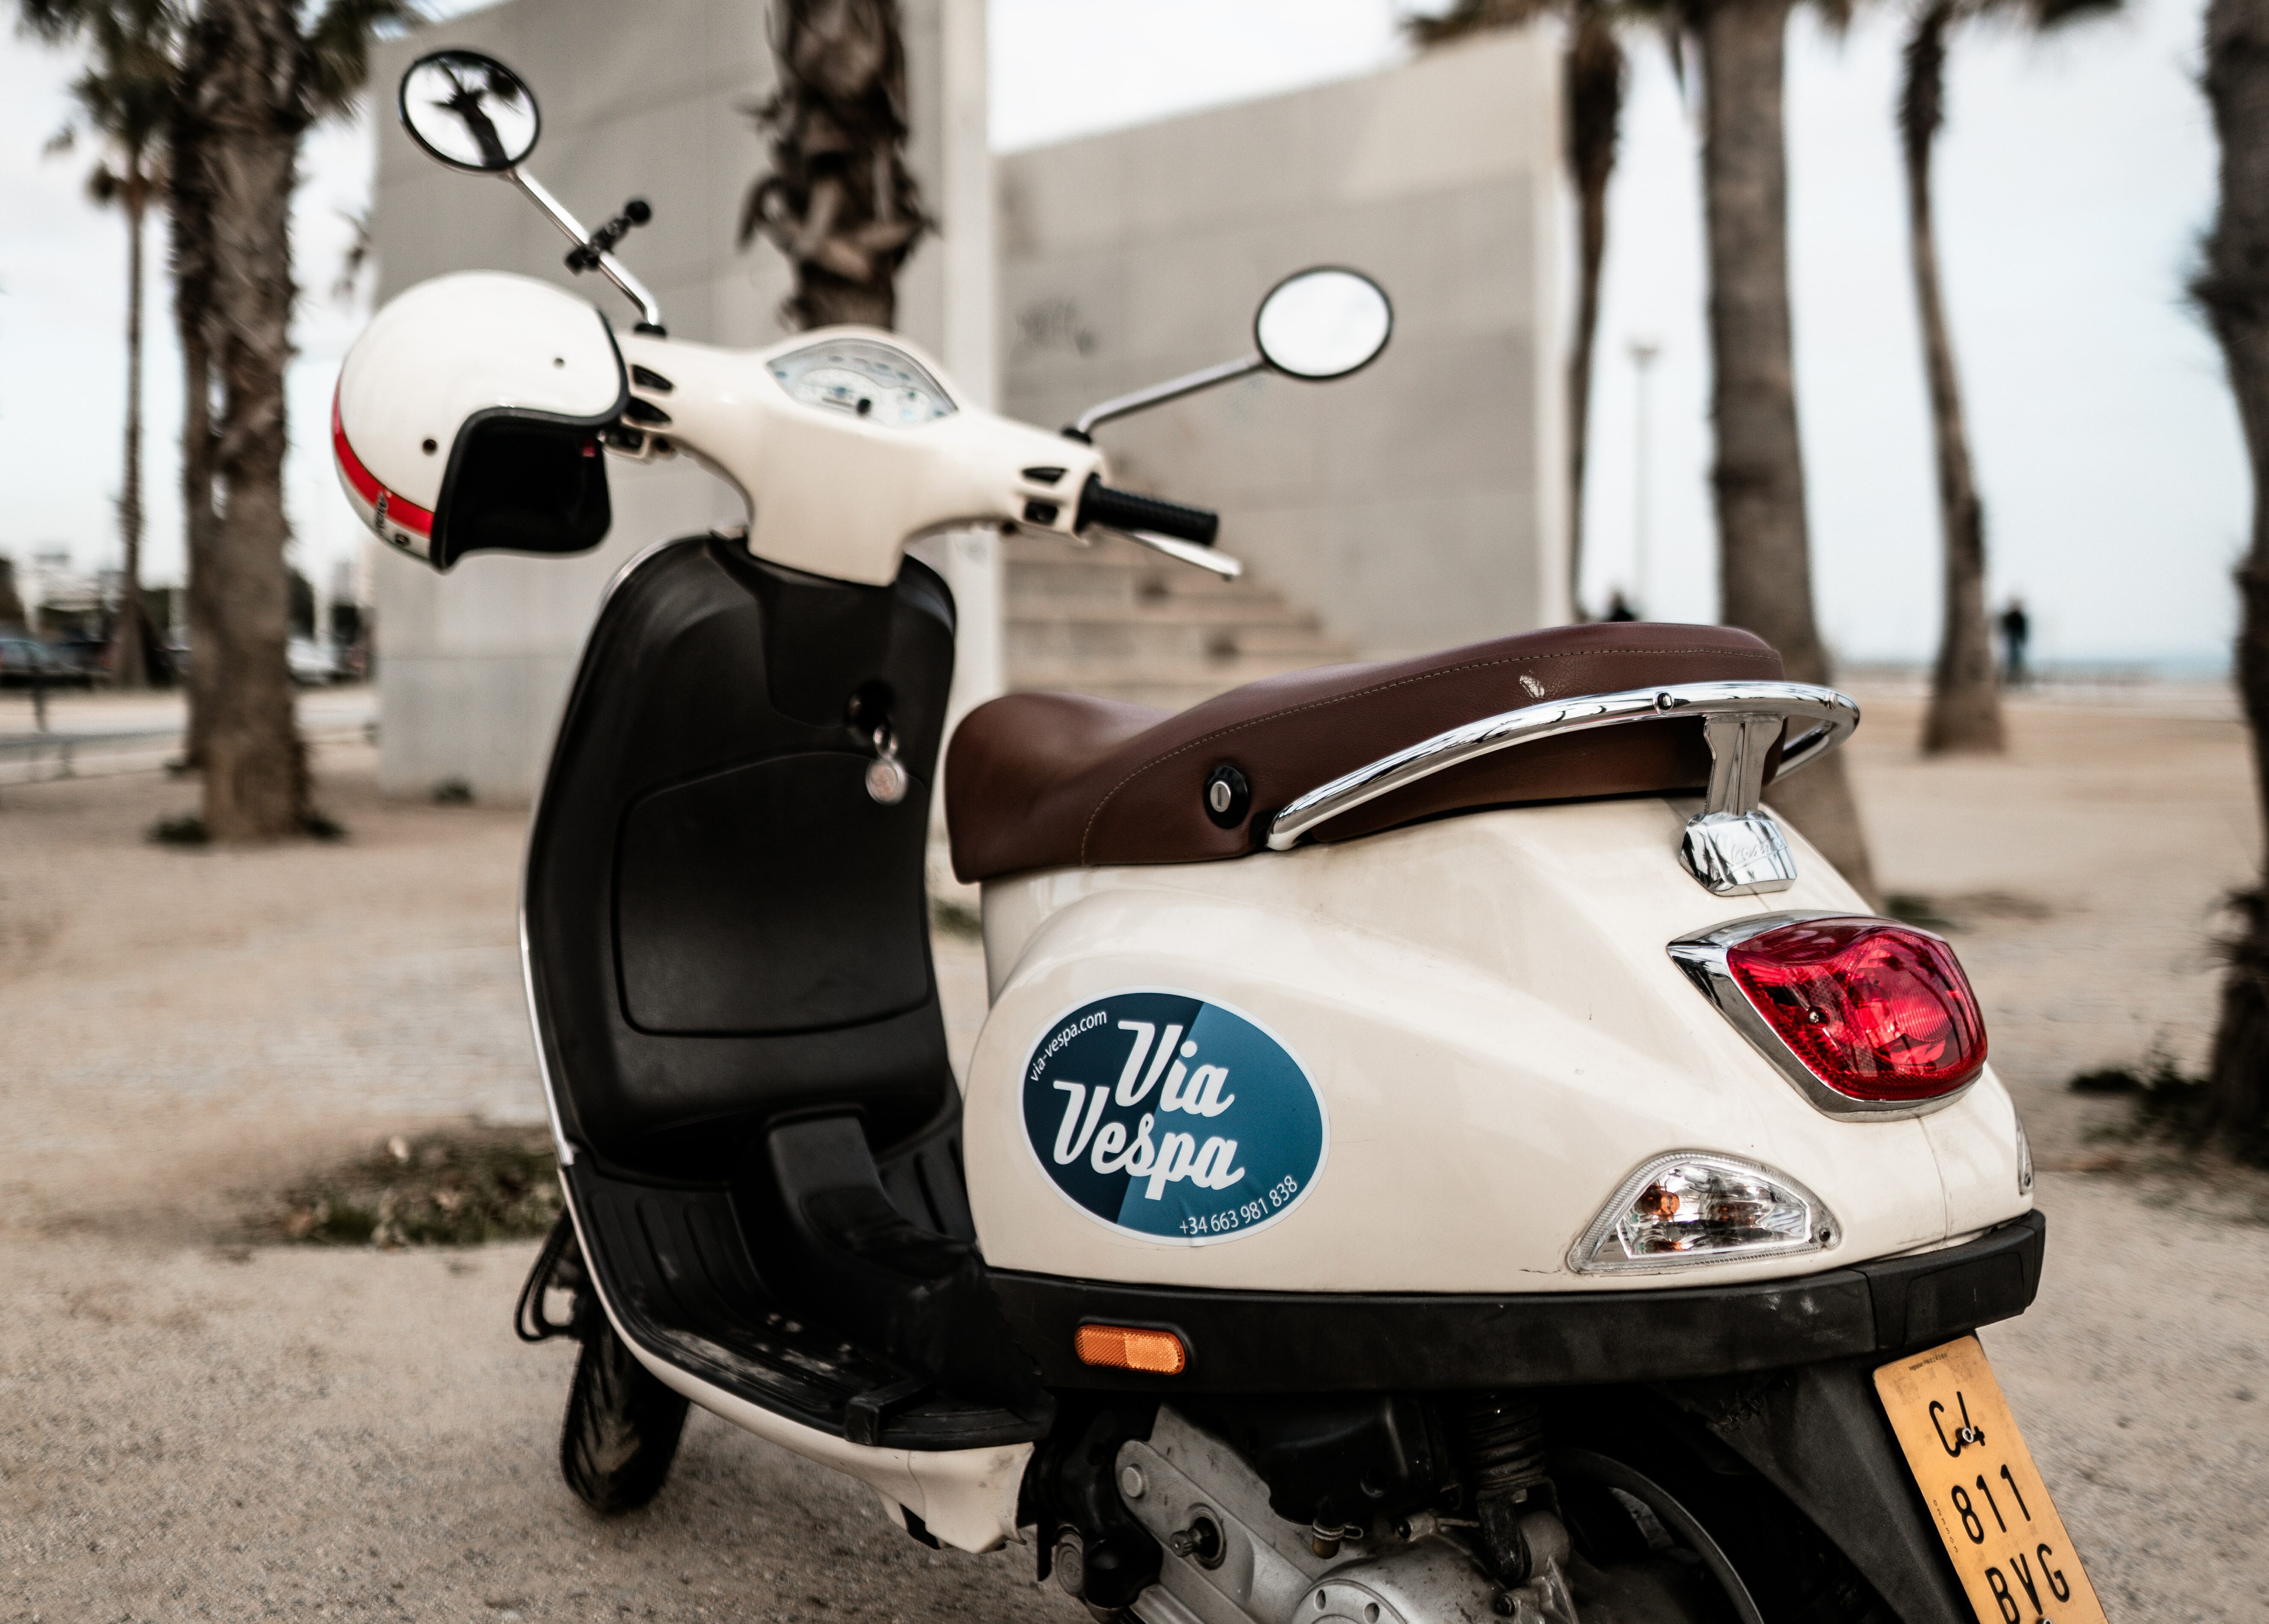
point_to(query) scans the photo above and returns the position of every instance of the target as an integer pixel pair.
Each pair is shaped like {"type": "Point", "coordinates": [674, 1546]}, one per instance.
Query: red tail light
{"type": "Point", "coordinates": [1875, 1010]}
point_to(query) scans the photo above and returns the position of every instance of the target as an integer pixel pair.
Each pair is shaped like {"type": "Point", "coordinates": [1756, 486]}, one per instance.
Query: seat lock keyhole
{"type": "Point", "coordinates": [1227, 796]}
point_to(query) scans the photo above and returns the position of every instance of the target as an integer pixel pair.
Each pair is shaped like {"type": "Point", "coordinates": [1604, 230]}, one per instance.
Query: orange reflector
{"type": "Point", "coordinates": [1124, 1347]}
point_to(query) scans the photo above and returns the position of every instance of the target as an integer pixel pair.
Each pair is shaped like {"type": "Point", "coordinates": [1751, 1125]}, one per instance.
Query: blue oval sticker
{"type": "Point", "coordinates": [1172, 1118]}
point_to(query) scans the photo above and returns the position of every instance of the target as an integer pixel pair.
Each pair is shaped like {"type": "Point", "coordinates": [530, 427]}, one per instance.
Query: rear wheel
{"type": "Point", "coordinates": [622, 1427]}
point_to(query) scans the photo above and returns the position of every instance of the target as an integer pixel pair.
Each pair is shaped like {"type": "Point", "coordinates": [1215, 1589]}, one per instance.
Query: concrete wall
{"type": "Point", "coordinates": [1417, 505]}
{"type": "Point", "coordinates": [648, 100]}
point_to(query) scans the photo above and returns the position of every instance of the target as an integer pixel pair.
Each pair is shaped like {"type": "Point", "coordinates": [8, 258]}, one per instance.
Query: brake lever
{"type": "Point", "coordinates": [1181, 552]}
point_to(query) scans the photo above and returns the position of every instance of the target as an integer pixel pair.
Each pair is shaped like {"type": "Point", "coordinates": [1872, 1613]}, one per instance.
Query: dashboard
{"type": "Point", "coordinates": [862, 378]}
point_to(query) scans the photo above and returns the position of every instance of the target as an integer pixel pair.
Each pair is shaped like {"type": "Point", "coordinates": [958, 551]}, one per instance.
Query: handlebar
{"type": "Point", "coordinates": [1124, 510]}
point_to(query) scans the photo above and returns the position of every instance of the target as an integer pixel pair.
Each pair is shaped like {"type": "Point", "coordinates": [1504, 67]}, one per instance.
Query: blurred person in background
{"type": "Point", "coordinates": [2016, 628]}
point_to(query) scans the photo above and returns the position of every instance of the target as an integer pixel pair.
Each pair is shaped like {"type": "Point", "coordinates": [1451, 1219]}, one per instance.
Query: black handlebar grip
{"type": "Point", "coordinates": [1123, 510]}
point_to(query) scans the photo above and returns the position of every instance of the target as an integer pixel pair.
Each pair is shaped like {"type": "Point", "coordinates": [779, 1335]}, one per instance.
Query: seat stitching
{"type": "Point", "coordinates": [1088, 831]}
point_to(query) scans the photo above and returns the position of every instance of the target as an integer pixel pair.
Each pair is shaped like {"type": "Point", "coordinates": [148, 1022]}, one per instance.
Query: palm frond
{"type": "Point", "coordinates": [1922, 76]}
{"type": "Point", "coordinates": [2047, 14]}
{"type": "Point", "coordinates": [1836, 14]}
{"type": "Point", "coordinates": [127, 90]}
{"type": "Point", "coordinates": [356, 258]}
{"type": "Point", "coordinates": [337, 60]}
{"type": "Point", "coordinates": [1595, 76]}
{"type": "Point", "coordinates": [1674, 46]}
{"type": "Point", "coordinates": [54, 20]}
{"type": "Point", "coordinates": [1467, 17]}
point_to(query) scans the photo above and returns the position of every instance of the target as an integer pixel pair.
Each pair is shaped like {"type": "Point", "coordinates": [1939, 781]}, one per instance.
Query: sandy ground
{"type": "Point", "coordinates": [191, 1429]}
{"type": "Point", "coordinates": [2083, 871]}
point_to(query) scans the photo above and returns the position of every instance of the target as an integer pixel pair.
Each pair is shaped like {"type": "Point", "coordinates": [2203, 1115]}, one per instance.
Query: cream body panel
{"type": "Point", "coordinates": [838, 496]}
{"type": "Point", "coordinates": [1974, 1140]}
{"type": "Point", "coordinates": [1487, 1007]}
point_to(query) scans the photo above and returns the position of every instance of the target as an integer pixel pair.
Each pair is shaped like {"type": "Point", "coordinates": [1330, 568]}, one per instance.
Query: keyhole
{"type": "Point", "coordinates": [1226, 796]}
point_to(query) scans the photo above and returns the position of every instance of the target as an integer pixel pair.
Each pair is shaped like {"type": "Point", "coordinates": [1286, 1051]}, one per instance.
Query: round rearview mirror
{"type": "Point", "coordinates": [469, 111]}
{"type": "Point", "coordinates": [1324, 323]}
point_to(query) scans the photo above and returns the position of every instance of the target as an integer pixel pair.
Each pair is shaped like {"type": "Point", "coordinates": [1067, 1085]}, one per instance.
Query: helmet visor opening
{"type": "Point", "coordinates": [521, 484]}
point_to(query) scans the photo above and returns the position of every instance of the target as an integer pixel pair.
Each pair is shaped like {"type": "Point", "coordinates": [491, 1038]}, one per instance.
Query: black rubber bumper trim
{"type": "Point", "coordinates": [1255, 1341]}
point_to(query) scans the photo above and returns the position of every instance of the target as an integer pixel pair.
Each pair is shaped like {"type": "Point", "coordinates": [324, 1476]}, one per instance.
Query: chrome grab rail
{"type": "Point", "coordinates": [1741, 720]}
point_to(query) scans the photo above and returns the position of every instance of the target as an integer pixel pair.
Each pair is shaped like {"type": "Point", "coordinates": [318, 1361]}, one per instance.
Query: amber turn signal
{"type": "Point", "coordinates": [1125, 1347]}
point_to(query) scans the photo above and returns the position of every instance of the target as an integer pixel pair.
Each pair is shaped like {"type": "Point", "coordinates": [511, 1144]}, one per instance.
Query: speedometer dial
{"type": "Point", "coordinates": [862, 378]}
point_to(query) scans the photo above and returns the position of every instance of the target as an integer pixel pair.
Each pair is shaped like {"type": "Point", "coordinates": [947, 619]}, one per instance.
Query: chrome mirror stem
{"type": "Point", "coordinates": [1159, 394]}
{"type": "Point", "coordinates": [613, 269]}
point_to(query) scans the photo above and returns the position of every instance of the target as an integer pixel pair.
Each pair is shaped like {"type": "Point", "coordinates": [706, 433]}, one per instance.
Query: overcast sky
{"type": "Point", "coordinates": [2075, 176]}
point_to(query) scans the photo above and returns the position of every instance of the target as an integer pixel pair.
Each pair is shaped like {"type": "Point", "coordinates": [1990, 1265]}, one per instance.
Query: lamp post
{"type": "Point", "coordinates": [1643, 354]}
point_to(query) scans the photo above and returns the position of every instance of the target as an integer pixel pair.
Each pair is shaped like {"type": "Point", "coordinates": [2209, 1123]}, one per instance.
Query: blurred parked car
{"type": "Point", "coordinates": [24, 660]}
{"type": "Point", "coordinates": [86, 653]}
{"type": "Point", "coordinates": [313, 664]}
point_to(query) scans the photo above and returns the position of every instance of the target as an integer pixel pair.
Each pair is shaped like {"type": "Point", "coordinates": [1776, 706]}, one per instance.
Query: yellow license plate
{"type": "Point", "coordinates": [2007, 1543]}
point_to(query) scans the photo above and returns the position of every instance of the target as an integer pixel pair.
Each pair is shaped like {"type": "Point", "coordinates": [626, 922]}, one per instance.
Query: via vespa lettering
{"type": "Point", "coordinates": [1160, 1114]}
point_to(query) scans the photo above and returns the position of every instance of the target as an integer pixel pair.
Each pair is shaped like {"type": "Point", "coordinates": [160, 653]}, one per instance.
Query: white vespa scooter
{"type": "Point", "coordinates": [1440, 1150]}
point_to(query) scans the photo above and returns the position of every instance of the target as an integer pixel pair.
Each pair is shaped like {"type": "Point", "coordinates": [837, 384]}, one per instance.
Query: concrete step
{"type": "Point", "coordinates": [1260, 609]}
{"type": "Point", "coordinates": [1172, 698]}
{"type": "Point", "coordinates": [1170, 640]}
{"type": "Point", "coordinates": [1122, 678]}
{"type": "Point", "coordinates": [1079, 602]}
{"type": "Point", "coordinates": [1068, 585]}
{"type": "Point", "coordinates": [1112, 566]}
{"type": "Point", "coordinates": [1119, 620]}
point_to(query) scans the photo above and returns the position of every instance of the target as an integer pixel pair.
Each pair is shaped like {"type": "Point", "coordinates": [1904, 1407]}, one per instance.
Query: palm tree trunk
{"type": "Point", "coordinates": [131, 641]}
{"type": "Point", "coordinates": [839, 202]}
{"type": "Point", "coordinates": [1594, 89]}
{"type": "Point", "coordinates": [256, 775]}
{"type": "Point", "coordinates": [1965, 704]}
{"type": "Point", "coordinates": [1764, 563]}
{"type": "Point", "coordinates": [189, 207]}
{"type": "Point", "coordinates": [198, 523]}
{"type": "Point", "coordinates": [2232, 288]}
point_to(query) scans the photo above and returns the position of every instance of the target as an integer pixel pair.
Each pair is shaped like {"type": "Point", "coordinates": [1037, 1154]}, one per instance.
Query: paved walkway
{"type": "Point", "coordinates": [190, 1429]}
{"type": "Point", "coordinates": [82, 735]}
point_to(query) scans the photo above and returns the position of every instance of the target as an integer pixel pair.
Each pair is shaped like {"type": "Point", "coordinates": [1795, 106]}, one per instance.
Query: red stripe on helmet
{"type": "Point", "coordinates": [399, 510]}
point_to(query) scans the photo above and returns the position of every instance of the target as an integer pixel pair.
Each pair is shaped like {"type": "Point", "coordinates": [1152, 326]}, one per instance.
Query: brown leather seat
{"type": "Point", "coordinates": [1054, 780]}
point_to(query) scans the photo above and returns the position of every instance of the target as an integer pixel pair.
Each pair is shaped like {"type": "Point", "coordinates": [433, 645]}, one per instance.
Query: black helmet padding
{"type": "Point", "coordinates": [522, 483]}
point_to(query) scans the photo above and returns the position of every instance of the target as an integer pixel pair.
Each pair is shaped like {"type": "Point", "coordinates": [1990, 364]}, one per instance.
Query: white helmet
{"type": "Point", "coordinates": [468, 417]}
